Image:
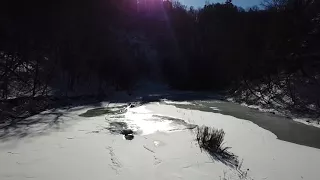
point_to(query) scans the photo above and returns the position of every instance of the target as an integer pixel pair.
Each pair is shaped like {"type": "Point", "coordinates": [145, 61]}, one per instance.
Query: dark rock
{"type": "Point", "coordinates": [126, 132]}
{"type": "Point", "coordinates": [129, 137]}
{"type": "Point", "coordinates": [132, 105]}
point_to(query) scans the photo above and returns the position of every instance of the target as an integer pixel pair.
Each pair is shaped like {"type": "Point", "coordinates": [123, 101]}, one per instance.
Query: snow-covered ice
{"type": "Point", "coordinates": [78, 148]}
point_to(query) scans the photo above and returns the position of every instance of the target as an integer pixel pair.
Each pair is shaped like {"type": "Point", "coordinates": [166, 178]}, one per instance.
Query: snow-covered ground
{"type": "Point", "coordinates": [308, 121]}
{"type": "Point", "coordinates": [79, 148]}
{"type": "Point", "coordinates": [176, 102]}
{"type": "Point", "coordinates": [254, 106]}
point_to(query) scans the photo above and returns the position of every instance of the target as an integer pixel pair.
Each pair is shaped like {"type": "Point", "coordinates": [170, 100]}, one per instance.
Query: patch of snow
{"type": "Point", "coordinates": [308, 121]}
{"type": "Point", "coordinates": [278, 91]}
{"type": "Point", "coordinates": [176, 102]}
{"type": "Point", "coordinates": [230, 99]}
{"type": "Point", "coordinates": [259, 108]}
{"type": "Point", "coordinates": [287, 99]}
{"type": "Point", "coordinates": [312, 107]}
{"type": "Point", "coordinates": [215, 108]}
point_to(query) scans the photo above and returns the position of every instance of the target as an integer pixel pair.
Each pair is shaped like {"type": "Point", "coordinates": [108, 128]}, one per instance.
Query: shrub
{"type": "Point", "coordinates": [211, 140]}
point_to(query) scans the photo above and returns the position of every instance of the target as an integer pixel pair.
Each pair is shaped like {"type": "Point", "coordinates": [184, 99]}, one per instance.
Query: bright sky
{"type": "Point", "coordinates": [242, 3]}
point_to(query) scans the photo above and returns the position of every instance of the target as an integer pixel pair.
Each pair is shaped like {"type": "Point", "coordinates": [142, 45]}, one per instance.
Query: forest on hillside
{"type": "Point", "coordinates": [268, 54]}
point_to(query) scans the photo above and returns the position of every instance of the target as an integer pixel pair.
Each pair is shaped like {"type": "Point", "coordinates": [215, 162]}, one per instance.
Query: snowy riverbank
{"type": "Point", "coordinates": [307, 121]}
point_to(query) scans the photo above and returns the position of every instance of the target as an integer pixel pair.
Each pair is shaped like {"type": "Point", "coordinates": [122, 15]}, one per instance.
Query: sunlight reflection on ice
{"type": "Point", "coordinates": [141, 119]}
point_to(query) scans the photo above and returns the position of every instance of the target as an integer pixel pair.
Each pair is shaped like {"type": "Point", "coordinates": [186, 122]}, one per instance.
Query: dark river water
{"type": "Point", "coordinates": [284, 128]}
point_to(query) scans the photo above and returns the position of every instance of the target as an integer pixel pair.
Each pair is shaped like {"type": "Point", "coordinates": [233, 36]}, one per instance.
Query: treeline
{"type": "Point", "coordinates": [50, 45]}
{"type": "Point", "coordinates": [57, 45]}
{"type": "Point", "coordinates": [222, 43]}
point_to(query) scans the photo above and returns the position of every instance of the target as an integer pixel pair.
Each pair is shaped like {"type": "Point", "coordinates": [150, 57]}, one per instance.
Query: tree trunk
{"type": "Point", "coordinates": [35, 79]}
{"type": "Point", "coordinates": [6, 81]}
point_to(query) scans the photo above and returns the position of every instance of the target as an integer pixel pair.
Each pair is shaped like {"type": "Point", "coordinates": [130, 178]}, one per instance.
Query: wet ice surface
{"type": "Point", "coordinates": [164, 147]}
